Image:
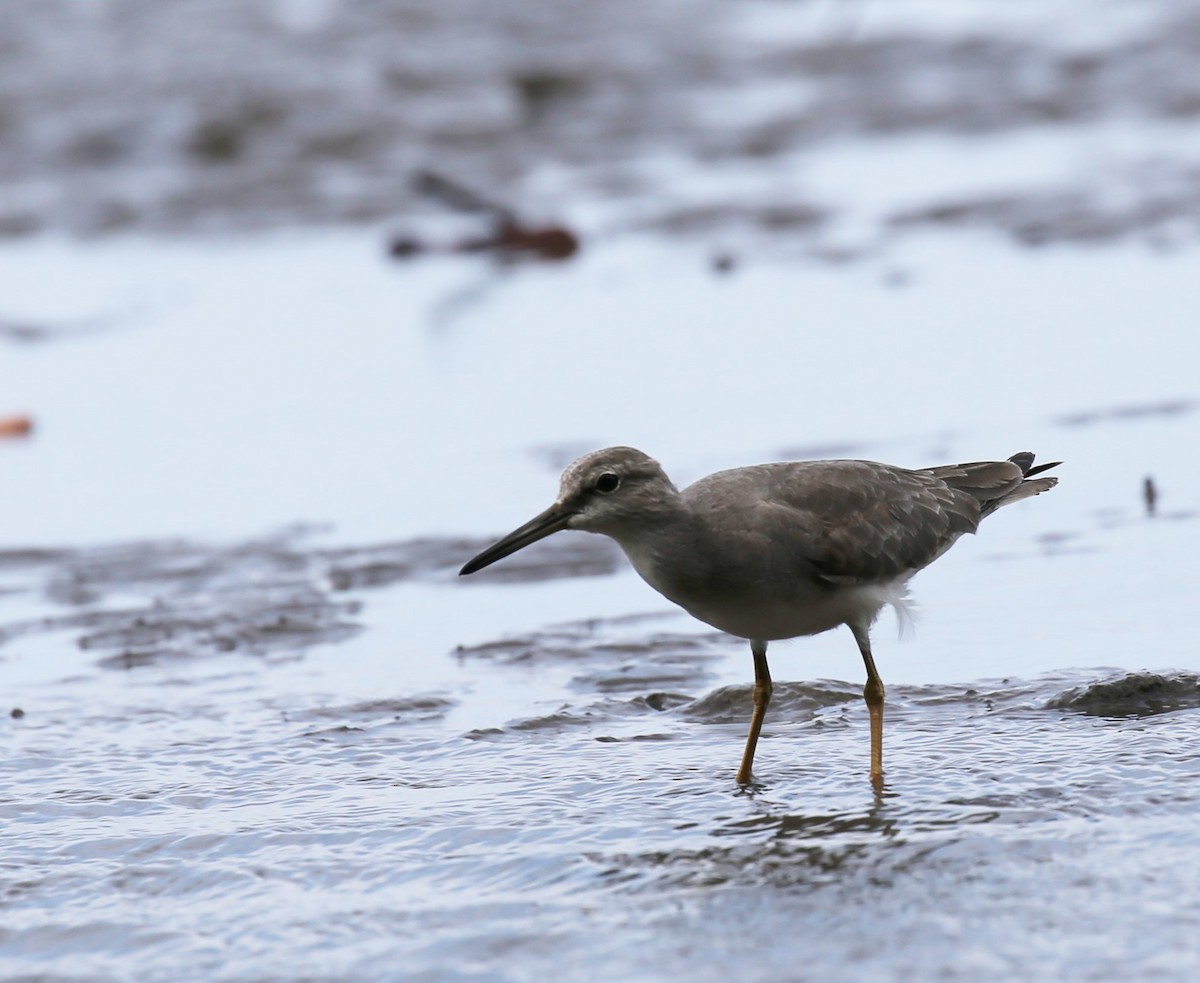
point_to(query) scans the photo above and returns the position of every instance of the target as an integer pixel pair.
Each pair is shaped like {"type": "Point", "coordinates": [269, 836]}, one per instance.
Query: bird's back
{"type": "Point", "coordinates": [841, 521]}
{"type": "Point", "coordinates": [861, 521]}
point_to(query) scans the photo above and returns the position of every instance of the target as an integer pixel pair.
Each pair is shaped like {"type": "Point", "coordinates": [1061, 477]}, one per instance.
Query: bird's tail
{"type": "Point", "coordinates": [994, 483]}
{"type": "Point", "coordinates": [1029, 485]}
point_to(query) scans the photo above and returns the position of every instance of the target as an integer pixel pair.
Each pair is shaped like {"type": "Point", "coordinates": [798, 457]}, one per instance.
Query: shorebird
{"type": "Point", "coordinates": [780, 550]}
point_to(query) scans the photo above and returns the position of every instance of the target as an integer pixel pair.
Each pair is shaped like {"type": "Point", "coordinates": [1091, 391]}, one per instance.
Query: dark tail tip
{"type": "Point", "coordinates": [1024, 460]}
{"type": "Point", "coordinates": [1042, 467]}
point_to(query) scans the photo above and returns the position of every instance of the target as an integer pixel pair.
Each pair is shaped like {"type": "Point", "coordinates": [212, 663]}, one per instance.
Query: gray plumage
{"type": "Point", "coordinates": [779, 550]}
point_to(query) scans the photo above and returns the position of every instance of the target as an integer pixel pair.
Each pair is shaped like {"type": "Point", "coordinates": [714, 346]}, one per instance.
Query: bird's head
{"type": "Point", "coordinates": [605, 491]}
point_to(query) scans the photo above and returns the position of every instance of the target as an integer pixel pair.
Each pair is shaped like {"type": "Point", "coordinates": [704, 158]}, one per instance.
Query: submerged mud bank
{"type": "Point", "coordinates": [1135, 694]}
{"type": "Point", "coordinates": [143, 602]}
{"type": "Point", "coordinates": [146, 602]}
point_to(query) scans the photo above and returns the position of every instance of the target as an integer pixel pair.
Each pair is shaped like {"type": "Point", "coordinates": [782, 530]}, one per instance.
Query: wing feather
{"type": "Point", "coordinates": [846, 522]}
{"type": "Point", "coordinates": [861, 522]}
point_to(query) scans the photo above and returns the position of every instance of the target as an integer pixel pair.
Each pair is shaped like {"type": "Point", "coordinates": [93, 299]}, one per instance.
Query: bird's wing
{"type": "Point", "coordinates": [861, 522]}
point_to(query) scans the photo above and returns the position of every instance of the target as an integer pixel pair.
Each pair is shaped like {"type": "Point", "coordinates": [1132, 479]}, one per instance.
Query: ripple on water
{"type": "Point", "coordinates": [356, 717]}
{"type": "Point", "coordinates": [211, 819]}
{"type": "Point", "coordinates": [408, 828]}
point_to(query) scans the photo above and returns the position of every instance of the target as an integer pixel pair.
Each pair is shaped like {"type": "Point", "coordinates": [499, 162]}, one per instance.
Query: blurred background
{"type": "Point", "coordinates": [316, 261]}
{"type": "Point", "coordinates": [304, 301]}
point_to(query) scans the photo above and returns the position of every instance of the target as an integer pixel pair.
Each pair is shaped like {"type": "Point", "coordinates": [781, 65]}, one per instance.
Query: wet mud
{"type": "Point", "coordinates": [331, 112]}
{"type": "Point", "coordinates": [1136, 694]}
{"type": "Point", "coordinates": [140, 603]}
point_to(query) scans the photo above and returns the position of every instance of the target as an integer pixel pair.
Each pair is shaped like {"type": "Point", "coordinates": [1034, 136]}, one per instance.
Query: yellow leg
{"type": "Point", "coordinates": [873, 695]}
{"type": "Point", "coordinates": [762, 697]}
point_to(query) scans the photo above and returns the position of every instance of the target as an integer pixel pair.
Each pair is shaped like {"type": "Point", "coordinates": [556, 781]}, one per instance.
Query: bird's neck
{"type": "Point", "coordinates": [659, 541]}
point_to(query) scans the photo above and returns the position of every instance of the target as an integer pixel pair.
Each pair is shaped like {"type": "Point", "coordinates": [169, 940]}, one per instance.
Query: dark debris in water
{"type": "Point", "coordinates": [1134, 694]}
{"type": "Point", "coordinates": [506, 236]}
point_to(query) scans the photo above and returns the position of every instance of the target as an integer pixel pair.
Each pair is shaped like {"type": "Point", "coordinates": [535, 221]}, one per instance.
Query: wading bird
{"type": "Point", "coordinates": [780, 550]}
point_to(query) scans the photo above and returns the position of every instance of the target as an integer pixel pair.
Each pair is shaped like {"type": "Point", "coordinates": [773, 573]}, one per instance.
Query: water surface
{"type": "Point", "coordinates": [254, 726]}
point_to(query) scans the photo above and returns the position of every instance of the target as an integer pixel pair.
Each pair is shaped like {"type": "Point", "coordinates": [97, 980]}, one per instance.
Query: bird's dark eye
{"type": "Point", "coordinates": [608, 483]}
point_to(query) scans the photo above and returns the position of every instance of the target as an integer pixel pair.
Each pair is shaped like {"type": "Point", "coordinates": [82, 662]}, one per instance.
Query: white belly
{"type": "Point", "coordinates": [769, 620]}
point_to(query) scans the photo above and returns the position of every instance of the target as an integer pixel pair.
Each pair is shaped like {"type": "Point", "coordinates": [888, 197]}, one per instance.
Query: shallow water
{"type": "Point", "coordinates": [189, 790]}
{"type": "Point", "coordinates": [255, 727]}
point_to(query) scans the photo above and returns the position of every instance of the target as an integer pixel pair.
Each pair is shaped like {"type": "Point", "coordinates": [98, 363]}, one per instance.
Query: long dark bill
{"type": "Point", "coordinates": [539, 527]}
